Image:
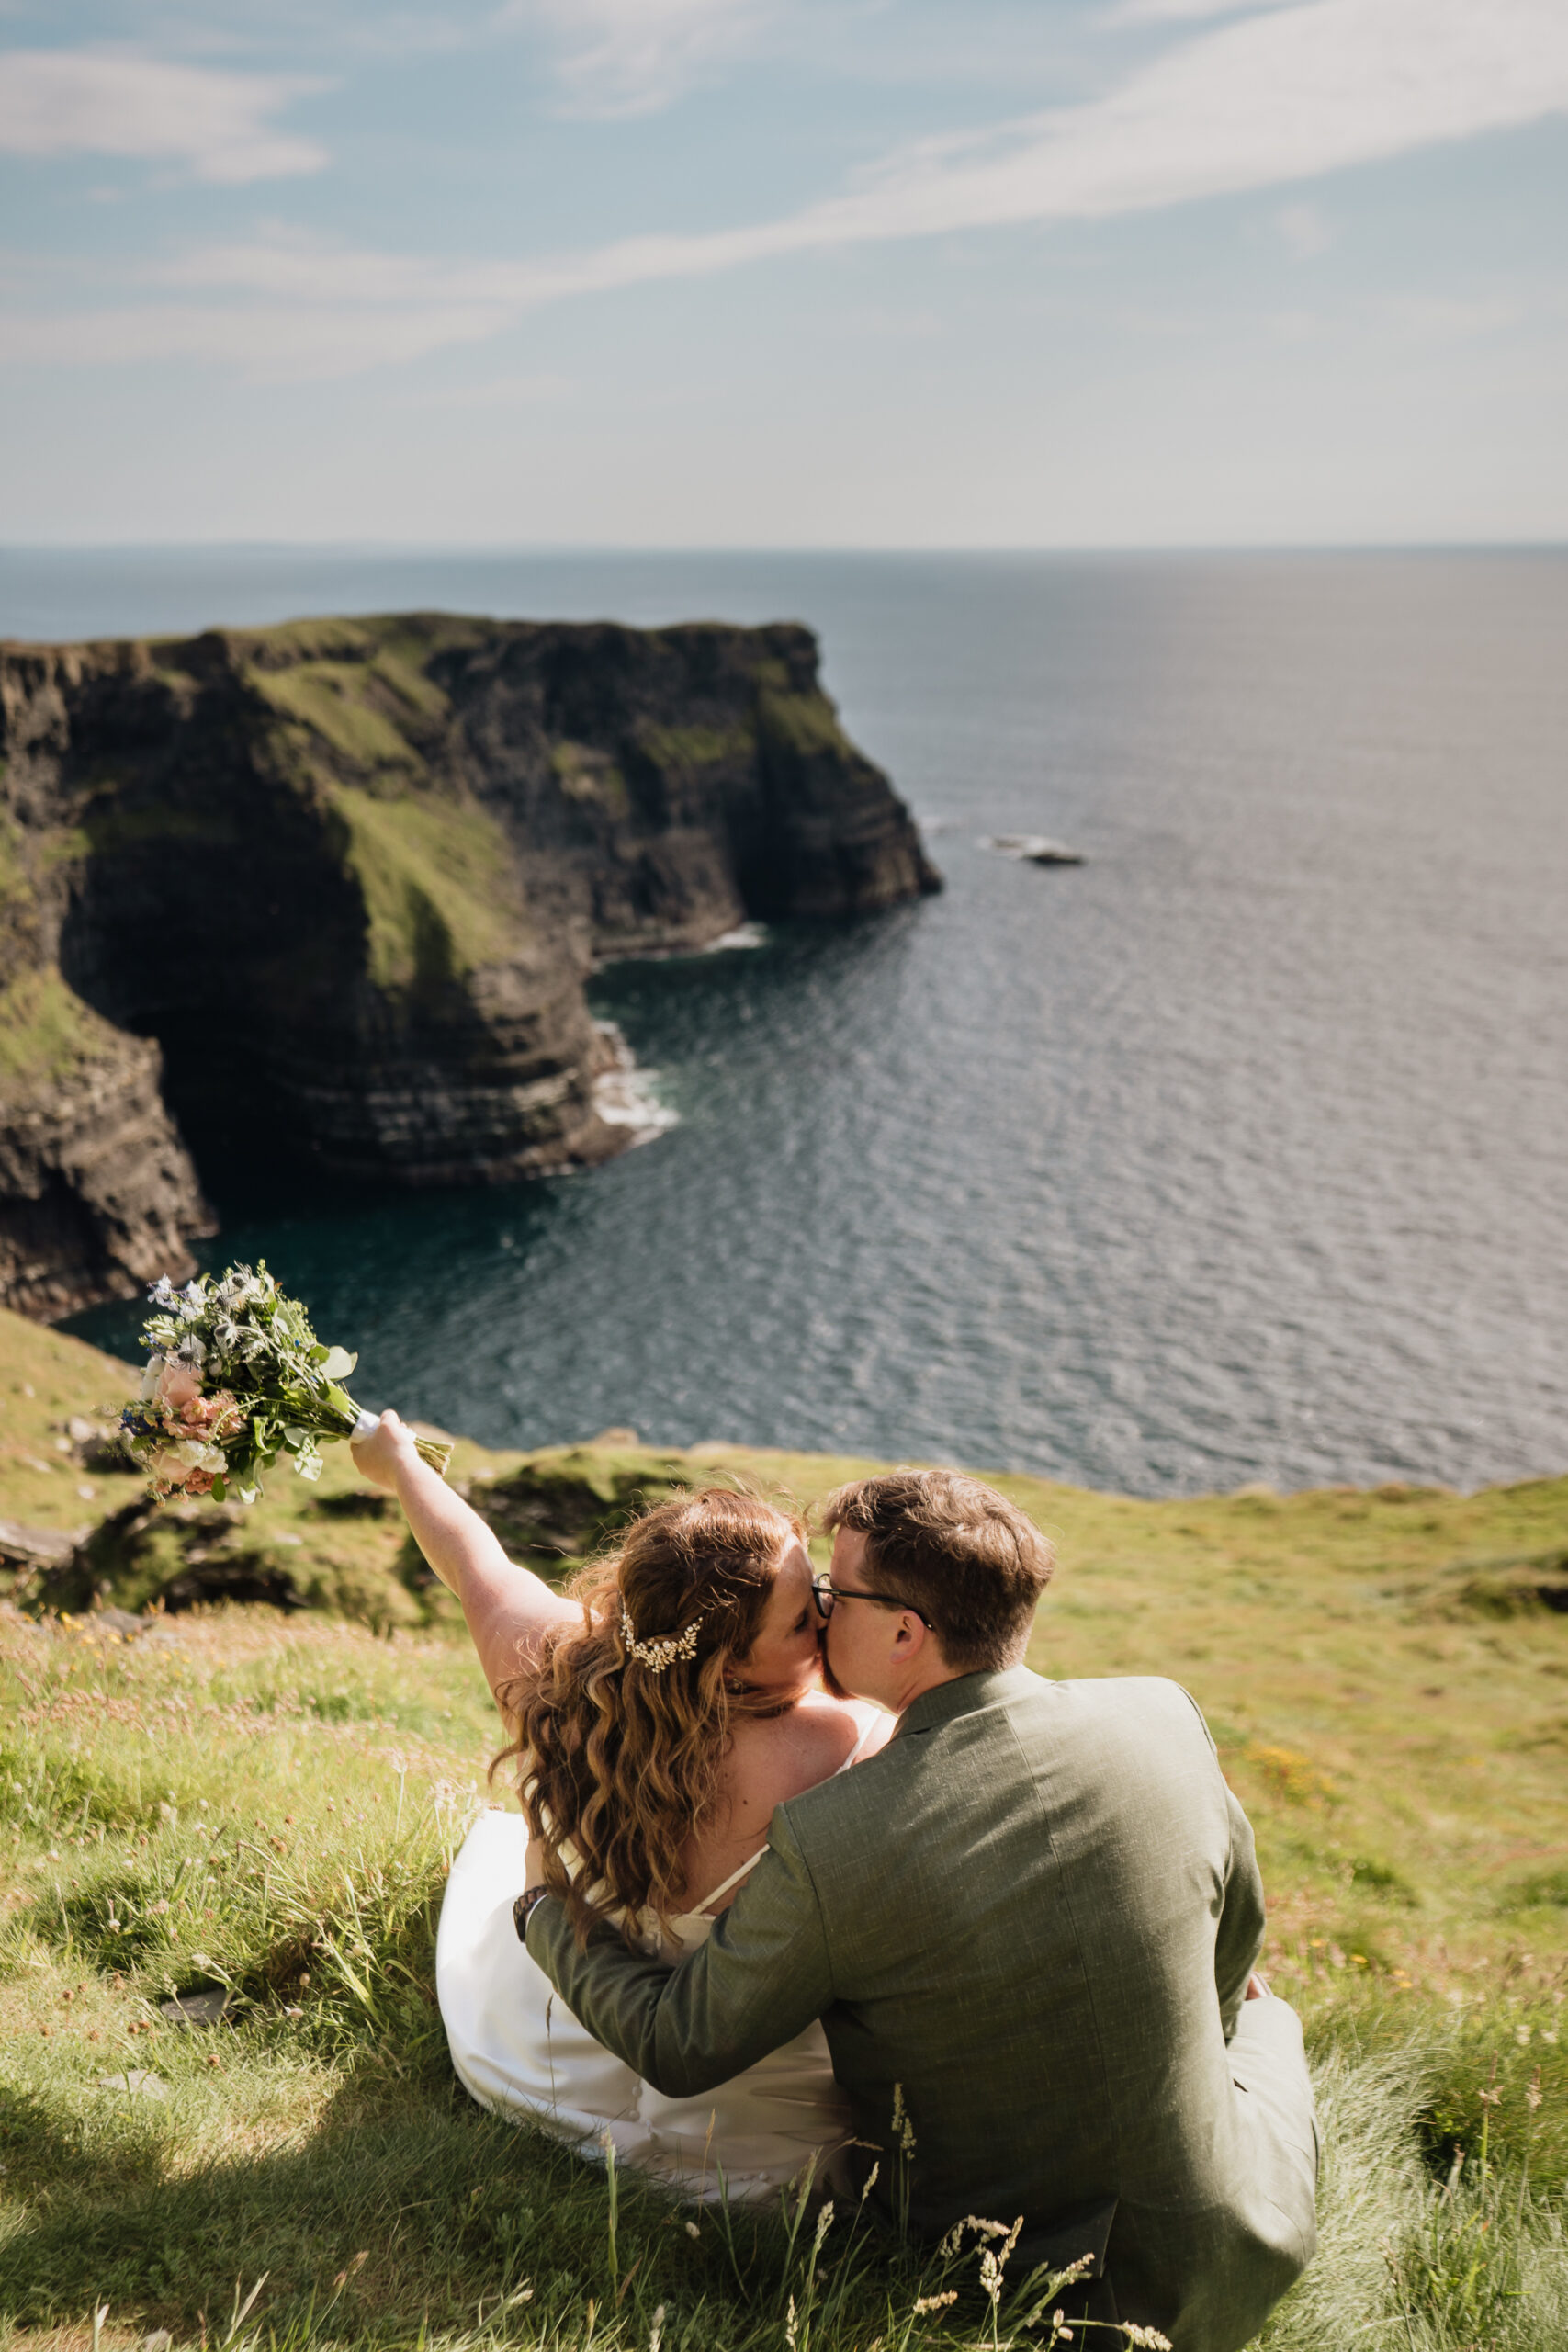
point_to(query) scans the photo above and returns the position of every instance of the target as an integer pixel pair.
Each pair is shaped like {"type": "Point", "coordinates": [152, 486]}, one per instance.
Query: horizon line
{"type": "Point", "coordinates": [707, 548]}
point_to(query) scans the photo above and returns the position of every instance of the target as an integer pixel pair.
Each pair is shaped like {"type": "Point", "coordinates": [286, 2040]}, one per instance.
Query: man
{"type": "Point", "coordinates": [1028, 1925]}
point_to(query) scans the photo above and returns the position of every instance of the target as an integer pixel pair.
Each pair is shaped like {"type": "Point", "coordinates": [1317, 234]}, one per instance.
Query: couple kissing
{"type": "Point", "coordinates": [795, 1849]}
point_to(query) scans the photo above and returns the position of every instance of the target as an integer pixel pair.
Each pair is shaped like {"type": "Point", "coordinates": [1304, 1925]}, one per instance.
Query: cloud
{"type": "Point", "coordinates": [1289, 95]}
{"type": "Point", "coordinates": [499, 392]}
{"type": "Point", "coordinates": [269, 343]}
{"type": "Point", "coordinates": [630, 57]}
{"type": "Point", "coordinates": [1304, 230]}
{"type": "Point", "coordinates": [107, 102]}
{"type": "Point", "coordinates": [1181, 12]}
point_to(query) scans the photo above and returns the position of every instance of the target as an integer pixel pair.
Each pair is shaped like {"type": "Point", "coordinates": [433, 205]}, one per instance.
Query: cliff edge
{"type": "Point", "coordinates": [329, 892]}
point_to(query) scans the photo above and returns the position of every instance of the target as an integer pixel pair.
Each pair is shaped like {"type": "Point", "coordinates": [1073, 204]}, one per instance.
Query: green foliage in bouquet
{"type": "Point", "coordinates": [236, 1379]}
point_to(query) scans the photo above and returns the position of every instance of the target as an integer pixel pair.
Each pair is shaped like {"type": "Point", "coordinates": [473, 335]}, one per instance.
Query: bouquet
{"type": "Point", "coordinates": [235, 1377]}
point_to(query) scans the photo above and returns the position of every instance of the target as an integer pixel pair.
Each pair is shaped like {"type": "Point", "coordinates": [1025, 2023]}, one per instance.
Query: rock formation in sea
{"type": "Point", "coordinates": [327, 894]}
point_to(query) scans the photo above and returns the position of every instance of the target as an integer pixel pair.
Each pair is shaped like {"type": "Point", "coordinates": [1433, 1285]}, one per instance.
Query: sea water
{"type": "Point", "coordinates": [1235, 1153]}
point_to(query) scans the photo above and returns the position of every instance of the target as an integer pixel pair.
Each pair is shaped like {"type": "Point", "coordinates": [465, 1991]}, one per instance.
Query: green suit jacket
{"type": "Point", "coordinates": [1035, 1913]}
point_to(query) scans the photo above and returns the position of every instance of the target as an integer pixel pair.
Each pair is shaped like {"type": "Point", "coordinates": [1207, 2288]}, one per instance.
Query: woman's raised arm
{"type": "Point", "coordinates": [507, 1608]}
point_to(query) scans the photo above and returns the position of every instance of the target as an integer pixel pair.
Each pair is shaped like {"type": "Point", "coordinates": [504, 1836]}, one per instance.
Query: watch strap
{"type": "Point", "coordinates": [523, 1907]}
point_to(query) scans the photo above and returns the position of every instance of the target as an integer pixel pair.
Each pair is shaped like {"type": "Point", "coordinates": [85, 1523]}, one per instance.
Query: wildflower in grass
{"type": "Point", "coordinates": [924, 2303]}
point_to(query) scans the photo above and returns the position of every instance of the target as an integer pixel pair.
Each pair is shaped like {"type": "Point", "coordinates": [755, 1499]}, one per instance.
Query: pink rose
{"type": "Point", "coordinates": [178, 1386]}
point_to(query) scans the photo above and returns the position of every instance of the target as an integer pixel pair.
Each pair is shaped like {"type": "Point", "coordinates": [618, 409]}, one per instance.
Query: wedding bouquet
{"type": "Point", "coordinates": [235, 1377]}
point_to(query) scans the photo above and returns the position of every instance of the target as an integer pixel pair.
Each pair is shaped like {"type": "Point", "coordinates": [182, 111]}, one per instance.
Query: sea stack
{"type": "Point", "coordinates": [327, 894]}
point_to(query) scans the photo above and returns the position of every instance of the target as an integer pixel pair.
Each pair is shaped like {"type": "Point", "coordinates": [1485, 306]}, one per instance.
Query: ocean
{"type": "Point", "coordinates": [1234, 1154]}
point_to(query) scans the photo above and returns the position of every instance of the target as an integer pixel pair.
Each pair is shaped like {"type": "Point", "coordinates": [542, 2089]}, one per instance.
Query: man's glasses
{"type": "Point", "coordinates": [827, 1594]}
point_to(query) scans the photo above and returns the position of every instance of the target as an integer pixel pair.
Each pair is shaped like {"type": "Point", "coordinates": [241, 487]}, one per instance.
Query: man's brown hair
{"type": "Point", "coordinates": [955, 1549]}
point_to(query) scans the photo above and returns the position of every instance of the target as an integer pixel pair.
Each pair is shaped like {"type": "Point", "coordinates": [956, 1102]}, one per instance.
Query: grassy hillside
{"type": "Point", "coordinates": [263, 1800]}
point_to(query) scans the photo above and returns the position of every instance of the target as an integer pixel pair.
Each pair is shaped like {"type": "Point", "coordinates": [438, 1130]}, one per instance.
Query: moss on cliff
{"type": "Point", "coordinates": [436, 878]}
{"type": "Point", "coordinates": [46, 1033]}
{"type": "Point", "coordinates": [15, 888]}
{"type": "Point", "coordinates": [591, 778]}
{"type": "Point", "coordinates": [334, 699]}
{"type": "Point", "coordinates": [804, 723]}
{"type": "Point", "coordinates": [689, 750]}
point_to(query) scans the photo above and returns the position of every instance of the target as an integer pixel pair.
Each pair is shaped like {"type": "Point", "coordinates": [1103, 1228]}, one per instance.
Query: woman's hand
{"type": "Point", "coordinates": [508, 1609]}
{"type": "Point", "coordinates": [388, 1449]}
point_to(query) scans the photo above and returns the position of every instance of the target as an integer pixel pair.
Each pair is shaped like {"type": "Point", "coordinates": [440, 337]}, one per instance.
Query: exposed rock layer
{"type": "Point", "coordinates": [350, 875]}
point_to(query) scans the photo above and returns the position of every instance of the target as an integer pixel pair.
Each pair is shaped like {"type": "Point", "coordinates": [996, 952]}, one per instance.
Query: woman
{"type": "Point", "coordinates": [658, 1714]}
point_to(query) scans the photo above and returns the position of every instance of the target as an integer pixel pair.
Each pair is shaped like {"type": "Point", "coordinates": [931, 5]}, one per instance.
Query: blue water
{"type": "Point", "coordinates": [1234, 1154]}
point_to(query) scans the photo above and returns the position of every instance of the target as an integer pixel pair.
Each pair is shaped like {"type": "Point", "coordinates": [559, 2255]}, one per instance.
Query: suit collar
{"type": "Point", "coordinates": [966, 1695]}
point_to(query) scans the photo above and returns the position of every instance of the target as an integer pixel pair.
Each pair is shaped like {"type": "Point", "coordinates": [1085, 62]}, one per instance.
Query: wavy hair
{"type": "Point", "coordinates": [618, 1760]}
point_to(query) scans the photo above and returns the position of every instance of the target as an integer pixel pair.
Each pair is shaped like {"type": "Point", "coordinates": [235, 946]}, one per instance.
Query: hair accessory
{"type": "Point", "coordinates": [657, 1655]}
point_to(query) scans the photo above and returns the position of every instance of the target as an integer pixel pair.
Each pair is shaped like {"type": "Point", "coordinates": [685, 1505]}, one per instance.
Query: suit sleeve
{"type": "Point", "coordinates": [1239, 1937]}
{"type": "Point", "coordinates": [761, 1978]}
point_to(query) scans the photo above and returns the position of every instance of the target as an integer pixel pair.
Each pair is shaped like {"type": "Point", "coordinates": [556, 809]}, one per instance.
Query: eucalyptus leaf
{"type": "Point", "coordinates": [337, 1364]}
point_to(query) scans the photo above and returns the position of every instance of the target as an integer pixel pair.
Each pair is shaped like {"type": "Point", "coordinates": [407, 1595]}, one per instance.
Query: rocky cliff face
{"type": "Point", "coordinates": [347, 878]}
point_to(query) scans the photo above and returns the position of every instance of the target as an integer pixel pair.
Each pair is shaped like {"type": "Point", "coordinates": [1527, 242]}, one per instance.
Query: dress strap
{"type": "Point", "coordinates": [725, 1883]}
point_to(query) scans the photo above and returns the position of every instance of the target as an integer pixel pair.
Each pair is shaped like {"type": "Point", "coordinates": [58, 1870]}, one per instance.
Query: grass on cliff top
{"type": "Point", "coordinates": [47, 1033]}
{"type": "Point", "coordinates": [267, 1804]}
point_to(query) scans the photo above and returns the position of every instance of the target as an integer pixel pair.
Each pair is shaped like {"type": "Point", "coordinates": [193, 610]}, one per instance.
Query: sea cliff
{"type": "Point", "coordinates": [328, 893]}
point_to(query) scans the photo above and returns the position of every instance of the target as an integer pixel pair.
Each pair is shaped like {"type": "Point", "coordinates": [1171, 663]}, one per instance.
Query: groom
{"type": "Point", "coordinates": [1030, 1923]}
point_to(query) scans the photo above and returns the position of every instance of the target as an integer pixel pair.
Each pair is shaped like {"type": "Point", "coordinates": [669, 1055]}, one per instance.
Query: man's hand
{"type": "Point", "coordinates": [386, 1450]}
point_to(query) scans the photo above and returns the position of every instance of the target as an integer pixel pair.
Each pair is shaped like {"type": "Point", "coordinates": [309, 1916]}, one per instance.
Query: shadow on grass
{"type": "Point", "coordinates": [444, 2209]}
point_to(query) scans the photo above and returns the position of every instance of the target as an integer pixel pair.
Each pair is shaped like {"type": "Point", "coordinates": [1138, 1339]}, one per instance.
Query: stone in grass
{"type": "Point", "coordinates": [196, 2009]}
{"type": "Point", "coordinates": [138, 2082]}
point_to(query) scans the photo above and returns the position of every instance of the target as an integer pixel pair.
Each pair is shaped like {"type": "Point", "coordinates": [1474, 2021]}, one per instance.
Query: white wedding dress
{"type": "Point", "coordinates": [515, 2044]}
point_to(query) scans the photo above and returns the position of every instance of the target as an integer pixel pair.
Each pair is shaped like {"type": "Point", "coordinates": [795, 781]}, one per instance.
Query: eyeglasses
{"type": "Point", "coordinates": [827, 1594]}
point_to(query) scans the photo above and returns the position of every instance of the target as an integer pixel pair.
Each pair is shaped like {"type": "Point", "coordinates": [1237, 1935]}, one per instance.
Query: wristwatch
{"type": "Point", "coordinates": [521, 1908]}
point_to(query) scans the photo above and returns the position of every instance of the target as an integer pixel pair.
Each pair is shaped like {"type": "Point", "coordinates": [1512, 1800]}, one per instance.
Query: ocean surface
{"type": "Point", "coordinates": [1234, 1154]}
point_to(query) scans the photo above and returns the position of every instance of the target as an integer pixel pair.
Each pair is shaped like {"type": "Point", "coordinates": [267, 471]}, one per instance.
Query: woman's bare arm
{"type": "Point", "coordinates": [507, 1608]}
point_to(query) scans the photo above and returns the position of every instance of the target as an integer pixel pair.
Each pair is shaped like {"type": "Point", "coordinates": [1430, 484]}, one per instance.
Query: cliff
{"type": "Point", "coordinates": [329, 892]}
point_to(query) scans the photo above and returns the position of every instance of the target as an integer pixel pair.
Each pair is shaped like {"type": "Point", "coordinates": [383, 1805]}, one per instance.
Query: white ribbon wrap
{"type": "Point", "coordinates": [366, 1424]}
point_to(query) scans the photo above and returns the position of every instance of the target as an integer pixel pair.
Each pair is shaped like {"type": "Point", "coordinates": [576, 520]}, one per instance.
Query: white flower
{"type": "Point", "coordinates": [163, 1291]}
{"type": "Point", "coordinates": [150, 1378]}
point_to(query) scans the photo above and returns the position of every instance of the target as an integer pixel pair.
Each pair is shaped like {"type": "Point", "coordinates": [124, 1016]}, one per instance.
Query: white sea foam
{"type": "Point", "coordinates": [745, 934]}
{"type": "Point", "coordinates": [625, 1094]}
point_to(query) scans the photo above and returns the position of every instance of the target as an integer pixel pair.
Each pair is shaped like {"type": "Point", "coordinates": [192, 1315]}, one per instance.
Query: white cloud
{"type": "Point", "coordinates": [1276, 98]}
{"type": "Point", "coordinates": [500, 391]}
{"type": "Point", "coordinates": [105, 102]}
{"type": "Point", "coordinates": [1305, 231]}
{"type": "Point", "coordinates": [1286, 96]}
{"type": "Point", "coordinates": [1434, 318]}
{"type": "Point", "coordinates": [269, 343]}
{"type": "Point", "coordinates": [1181, 12]}
{"type": "Point", "coordinates": [628, 57]}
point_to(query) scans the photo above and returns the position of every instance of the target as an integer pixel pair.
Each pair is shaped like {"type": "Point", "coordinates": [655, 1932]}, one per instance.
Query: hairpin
{"type": "Point", "coordinates": [657, 1655]}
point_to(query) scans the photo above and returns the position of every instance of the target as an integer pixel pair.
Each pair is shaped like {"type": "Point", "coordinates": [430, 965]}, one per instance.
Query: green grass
{"type": "Point", "coordinates": [804, 722]}
{"type": "Point", "coordinates": [591, 778]}
{"type": "Point", "coordinates": [332, 699]}
{"type": "Point", "coordinates": [689, 750]}
{"type": "Point", "coordinates": [46, 1031]}
{"type": "Point", "coordinates": [438, 883]}
{"type": "Point", "coordinates": [268, 1803]}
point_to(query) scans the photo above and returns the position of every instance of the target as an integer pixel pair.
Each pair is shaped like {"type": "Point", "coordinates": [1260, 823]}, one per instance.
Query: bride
{"type": "Point", "coordinates": [658, 1711]}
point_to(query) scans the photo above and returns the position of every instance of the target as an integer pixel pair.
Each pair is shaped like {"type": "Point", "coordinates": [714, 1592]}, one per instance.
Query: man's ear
{"type": "Point", "coordinates": [910, 1638]}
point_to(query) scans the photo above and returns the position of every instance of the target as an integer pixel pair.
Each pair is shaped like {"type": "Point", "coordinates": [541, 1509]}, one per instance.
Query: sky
{"type": "Point", "coordinates": [773, 273]}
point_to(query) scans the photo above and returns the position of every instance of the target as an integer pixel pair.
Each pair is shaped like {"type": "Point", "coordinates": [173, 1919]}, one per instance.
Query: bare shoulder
{"type": "Point", "coordinates": [822, 1734]}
